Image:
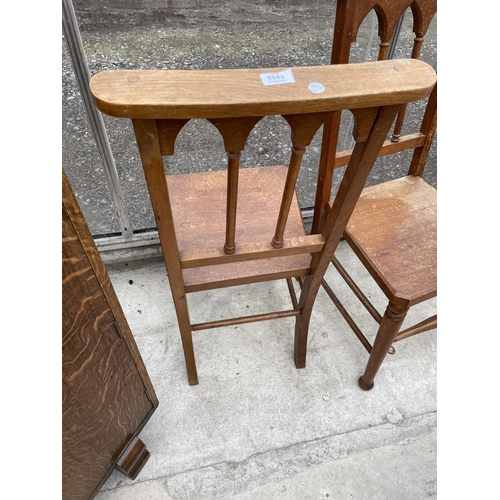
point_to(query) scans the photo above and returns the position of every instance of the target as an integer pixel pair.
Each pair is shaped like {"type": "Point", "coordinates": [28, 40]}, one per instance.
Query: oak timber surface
{"type": "Point", "coordinates": [199, 211]}
{"type": "Point", "coordinates": [222, 93]}
{"type": "Point", "coordinates": [107, 394]}
{"type": "Point", "coordinates": [395, 224]}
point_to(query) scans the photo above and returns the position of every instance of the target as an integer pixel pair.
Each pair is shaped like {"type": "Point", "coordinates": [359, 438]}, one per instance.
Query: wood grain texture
{"type": "Point", "coordinates": [107, 394]}
{"type": "Point", "coordinates": [74, 213]}
{"type": "Point", "coordinates": [152, 163]}
{"type": "Point", "coordinates": [200, 212]}
{"type": "Point", "coordinates": [201, 231]}
{"type": "Point", "coordinates": [393, 231]}
{"type": "Point", "coordinates": [349, 15]}
{"type": "Point", "coordinates": [199, 207]}
{"type": "Point", "coordinates": [409, 141]}
{"type": "Point", "coordinates": [395, 223]}
{"type": "Point", "coordinates": [185, 94]}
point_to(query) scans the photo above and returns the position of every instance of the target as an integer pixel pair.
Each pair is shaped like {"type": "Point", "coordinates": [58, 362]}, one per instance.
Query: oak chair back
{"type": "Point", "coordinates": [392, 229]}
{"type": "Point", "coordinates": [348, 19]}
{"type": "Point", "coordinates": [242, 226]}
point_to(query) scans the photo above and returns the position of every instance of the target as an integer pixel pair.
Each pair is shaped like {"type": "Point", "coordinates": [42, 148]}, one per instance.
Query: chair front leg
{"type": "Point", "coordinates": [389, 327]}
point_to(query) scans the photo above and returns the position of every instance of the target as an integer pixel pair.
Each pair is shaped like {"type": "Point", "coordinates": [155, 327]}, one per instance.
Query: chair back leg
{"type": "Point", "coordinates": [372, 126]}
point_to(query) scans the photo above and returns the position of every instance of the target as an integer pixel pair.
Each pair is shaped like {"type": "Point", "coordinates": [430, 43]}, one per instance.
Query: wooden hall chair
{"type": "Point", "coordinates": [220, 229]}
{"type": "Point", "coordinates": [393, 227]}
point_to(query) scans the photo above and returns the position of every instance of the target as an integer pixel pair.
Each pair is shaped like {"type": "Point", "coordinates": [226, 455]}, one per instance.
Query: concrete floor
{"type": "Point", "coordinates": [258, 428]}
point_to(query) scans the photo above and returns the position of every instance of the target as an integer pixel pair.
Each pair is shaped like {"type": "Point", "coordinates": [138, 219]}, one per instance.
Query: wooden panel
{"type": "Point", "coordinates": [240, 92]}
{"type": "Point", "coordinates": [199, 207]}
{"type": "Point", "coordinates": [393, 229]}
{"type": "Point", "coordinates": [209, 256]}
{"type": "Point", "coordinates": [252, 271]}
{"type": "Point", "coordinates": [107, 397]}
{"type": "Point", "coordinates": [72, 210]}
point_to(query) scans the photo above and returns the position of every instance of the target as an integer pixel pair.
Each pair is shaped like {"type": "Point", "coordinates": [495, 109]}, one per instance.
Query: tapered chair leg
{"type": "Point", "coordinates": [307, 297]}
{"type": "Point", "coordinates": [187, 345]}
{"type": "Point", "coordinates": [387, 332]}
{"type": "Point", "coordinates": [181, 308]}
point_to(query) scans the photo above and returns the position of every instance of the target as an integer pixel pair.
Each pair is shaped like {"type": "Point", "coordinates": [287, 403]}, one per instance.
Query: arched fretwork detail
{"type": "Point", "coordinates": [348, 18]}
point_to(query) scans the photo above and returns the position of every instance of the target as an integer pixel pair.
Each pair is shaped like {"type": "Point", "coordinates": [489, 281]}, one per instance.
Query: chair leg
{"type": "Point", "coordinates": [302, 321]}
{"type": "Point", "coordinates": [387, 332]}
{"type": "Point", "coordinates": [187, 345]}
{"type": "Point", "coordinates": [181, 309]}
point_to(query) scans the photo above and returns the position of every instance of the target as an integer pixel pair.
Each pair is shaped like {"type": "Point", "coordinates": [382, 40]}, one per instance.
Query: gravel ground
{"type": "Point", "coordinates": [154, 34]}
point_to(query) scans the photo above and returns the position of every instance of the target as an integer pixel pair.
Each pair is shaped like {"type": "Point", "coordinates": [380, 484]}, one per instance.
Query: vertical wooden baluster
{"type": "Point", "coordinates": [304, 127]}
{"type": "Point", "coordinates": [235, 132]}
{"type": "Point", "coordinates": [233, 168]}
{"type": "Point", "coordinates": [390, 19]}
{"type": "Point", "coordinates": [383, 49]}
{"type": "Point", "coordinates": [291, 180]}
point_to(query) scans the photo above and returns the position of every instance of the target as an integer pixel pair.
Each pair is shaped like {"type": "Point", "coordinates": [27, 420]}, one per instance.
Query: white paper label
{"type": "Point", "coordinates": [316, 87]}
{"type": "Point", "coordinates": [278, 78]}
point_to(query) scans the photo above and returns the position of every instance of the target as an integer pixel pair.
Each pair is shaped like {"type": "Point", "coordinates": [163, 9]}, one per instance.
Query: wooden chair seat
{"type": "Point", "coordinates": [257, 212]}
{"type": "Point", "coordinates": [393, 232]}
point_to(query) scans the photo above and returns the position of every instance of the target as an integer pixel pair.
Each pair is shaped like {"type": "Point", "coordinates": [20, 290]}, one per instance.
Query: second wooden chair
{"type": "Point", "coordinates": [393, 227]}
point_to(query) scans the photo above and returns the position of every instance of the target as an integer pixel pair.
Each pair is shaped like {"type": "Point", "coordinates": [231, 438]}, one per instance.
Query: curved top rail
{"type": "Point", "coordinates": [185, 94]}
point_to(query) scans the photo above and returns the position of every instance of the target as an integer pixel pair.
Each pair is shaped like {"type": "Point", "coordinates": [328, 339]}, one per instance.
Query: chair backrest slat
{"type": "Point", "coordinates": [179, 94]}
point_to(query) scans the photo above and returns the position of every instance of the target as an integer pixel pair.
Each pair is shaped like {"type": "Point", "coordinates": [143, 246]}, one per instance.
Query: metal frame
{"type": "Point", "coordinates": [82, 73]}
